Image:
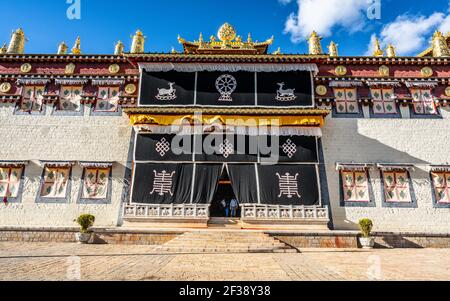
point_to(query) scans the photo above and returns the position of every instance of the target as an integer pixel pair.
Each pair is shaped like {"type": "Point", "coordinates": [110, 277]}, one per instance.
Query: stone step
{"type": "Point", "coordinates": [225, 250]}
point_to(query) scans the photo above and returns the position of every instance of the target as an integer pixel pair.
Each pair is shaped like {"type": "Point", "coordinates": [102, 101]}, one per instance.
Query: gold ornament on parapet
{"type": "Point", "coordinates": [340, 70]}
{"type": "Point", "coordinates": [5, 87]}
{"type": "Point", "coordinates": [70, 68]}
{"type": "Point", "coordinates": [321, 90]}
{"type": "Point", "coordinates": [130, 89]}
{"type": "Point", "coordinates": [447, 91]}
{"type": "Point", "coordinates": [114, 68]}
{"type": "Point", "coordinates": [426, 72]}
{"type": "Point", "coordinates": [25, 68]}
{"type": "Point", "coordinates": [384, 71]}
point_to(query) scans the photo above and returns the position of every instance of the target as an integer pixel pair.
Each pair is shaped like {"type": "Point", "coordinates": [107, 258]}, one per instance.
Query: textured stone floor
{"type": "Point", "coordinates": [51, 261]}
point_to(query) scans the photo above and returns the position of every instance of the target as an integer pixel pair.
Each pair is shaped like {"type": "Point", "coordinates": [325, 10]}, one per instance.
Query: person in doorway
{"type": "Point", "coordinates": [225, 207]}
{"type": "Point", "coordinates": [234, 205]}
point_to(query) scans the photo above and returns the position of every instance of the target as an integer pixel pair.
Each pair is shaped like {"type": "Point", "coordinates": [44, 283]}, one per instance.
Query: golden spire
{"type": "Point", "coordinates": [440, 47]}
{"type": "Point", "coordinates": [390, 51]}
{"type": "Point", "coordinates": [118, 49]}
{"type": "Point", "coordinates": [378, 51]}
{"type": "Point", "coordinates": [174, 51]}
{"type": "Point", "coordinates": [332, 49]}
{"type": "Point", "coordinates": [315, 48]}
{"type": "Point", "coordinates": [138, 44]}
{"type": "Point", "coordinates": [200, 38]}
{"type": "Point", "coordinates": [17, 43]}
{"type": "Point", "coordinates": [277, 52]}
{"type": "Point", "coordinates": [77, 47]}
{"type": "Point", "coordinates": [249, 38]}
{"type": "Point", "coordinates": [4, 49]}
{"type": "Point", "coordinates": [62, 48]}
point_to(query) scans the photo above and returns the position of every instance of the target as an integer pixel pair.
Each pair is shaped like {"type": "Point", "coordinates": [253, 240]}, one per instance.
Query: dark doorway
{"type": "Point", "coordinates": [224, 192]}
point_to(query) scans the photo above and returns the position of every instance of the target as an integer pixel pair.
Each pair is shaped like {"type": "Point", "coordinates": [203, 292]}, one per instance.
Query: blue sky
{"type": "Point", "coordinates": [406, 23]}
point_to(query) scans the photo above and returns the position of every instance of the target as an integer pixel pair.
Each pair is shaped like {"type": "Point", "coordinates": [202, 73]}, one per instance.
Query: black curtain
{"type": "Point", "coordinates": [163, 147]}
{"type": "Point", "coordinates": [206, 182]}
{"type": "Point", "coordinates": [243, 180]}
{"type": "Point", "coordinates": [288, 185]}
{"type": "Point", "coordinates": [162, 183]}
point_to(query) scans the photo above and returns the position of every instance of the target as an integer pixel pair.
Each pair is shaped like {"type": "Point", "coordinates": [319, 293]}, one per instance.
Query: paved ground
{"type": "Point", "coordinates": [37, 261]}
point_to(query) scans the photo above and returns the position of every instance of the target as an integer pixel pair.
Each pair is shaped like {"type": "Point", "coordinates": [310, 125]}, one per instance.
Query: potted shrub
{"type": "Point", "coordinates": [366, 226]}
{"type": "Point", "coordinates": [85, 221]}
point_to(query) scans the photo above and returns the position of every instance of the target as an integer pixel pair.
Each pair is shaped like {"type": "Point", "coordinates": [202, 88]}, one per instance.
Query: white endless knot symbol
{"type": "Point", "coordinates": [162, 147]}
{"type": "Point", "coordinates": [162, 183]}
{"type": "Point", "coordinates": [226, 148]}
{"type": "Point", "coordinates": [288, 185]}
{"type": "Point", "coordinates": [289, 148]}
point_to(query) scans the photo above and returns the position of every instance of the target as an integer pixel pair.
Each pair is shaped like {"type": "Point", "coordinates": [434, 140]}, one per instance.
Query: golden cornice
{"type": "Point", "coordinates": [227, 111]}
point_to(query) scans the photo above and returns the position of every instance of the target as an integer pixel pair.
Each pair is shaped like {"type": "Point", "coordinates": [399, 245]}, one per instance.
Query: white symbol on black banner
{"type": "Point", "coordinates": [226, 148]}
{"type": "Point", "coordinates": [162, 147]}
{"type": "Point", "coordinates": [289, 148]}
{"type": "Point", "coordinates": [288, 185]}
{"type": "Point", "coordinates": [162, 183]}
{"type": "Point", "coordinates": [226, 84]}
{"type": "Point", "coordinates": [167, 94]}
{"type": "Point", "coordinates": [285, 94]}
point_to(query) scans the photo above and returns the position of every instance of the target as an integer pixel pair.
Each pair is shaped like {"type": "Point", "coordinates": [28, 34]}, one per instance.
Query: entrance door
{"type": "Point", "coordinates": [224, 192]}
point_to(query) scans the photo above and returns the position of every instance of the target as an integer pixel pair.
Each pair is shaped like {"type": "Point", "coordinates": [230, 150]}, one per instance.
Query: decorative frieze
{"type": "Point", "coordinates": [183, 211]}
{"type": "Point", "coordinates": [274, 212]}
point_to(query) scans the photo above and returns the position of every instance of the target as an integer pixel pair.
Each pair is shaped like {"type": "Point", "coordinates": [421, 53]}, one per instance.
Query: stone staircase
{"type": "Point", "coordinates": [214, 241]}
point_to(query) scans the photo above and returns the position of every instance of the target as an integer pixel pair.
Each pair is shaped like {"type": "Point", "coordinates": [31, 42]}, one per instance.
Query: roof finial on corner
{"type": "Point", "coordinates": [440, 47]}
{"type": "Point", "coordinates": [315, 47]}
{"type": "Point", "coordinates": [390, 51]}
{"type": "Point", "coordinates": [378, 52]}
{"type": "Point", "coordinates": [17, 43]}
{"type": "Point", "coordinates": [138, 44]}
{"type": "Point", "coordinates": [332, 49]}
{"type": "Point", "coordinates": [77, 47]}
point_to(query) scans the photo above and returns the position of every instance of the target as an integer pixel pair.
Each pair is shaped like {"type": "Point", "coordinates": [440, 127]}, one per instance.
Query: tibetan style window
{"type": "Point", "coordinates": [355, 186]}
{"type": "Point", "coordinates": [441, 181]}
{"type": "Point", "coordinates": [70, 98]}
{"type": "Point", "coordinates": [346, 101]}
{"type": "Point", "coordinates": [384, 101]}
{"type": "Point", "coordinates": [95, 183]}
{"type": "Point", "coordinates": [397, 186]}
{"type": "Point", "coordinates": [423, 102]}
{"type": "Point", "coordinates": [32, 99]}
{"type": "Point", "coordinates": [107, 99]}
{"type": "Point", "coordinates": [10, 178]}
{"type": "Point", "coordinates": [55, 182]}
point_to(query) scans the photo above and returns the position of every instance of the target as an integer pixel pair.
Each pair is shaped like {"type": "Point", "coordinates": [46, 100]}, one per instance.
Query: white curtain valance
{"type": "Point", "coordinates": [250, 131]}
{"type": "Point", "coordinates": [198, 67]}
{"type": "Point", "coordinates": [354, 166]}
{"type": "Point", "coordinates": [383, 83]}
{"type": "Point", "coordinates": [108, 82]}
{"type": "Point", "coordinates": [13, 163]}
{"type": "Point", "coordinates": [440, 168]}
{"type": "Point", "coordinates": [96, 164]}
{"type": "Point", "coordinates": [57, 163]}
{"type": "Point", "coordinates": [345, 84]}
{"type": "Point", "coordinates": [393, 167]}
{"type": "Point", "coordinates": [33, 81]}
{"type": "Point", "coordinates": [421, 84]}
{"type": "Point", "coordinates": [71, 81]}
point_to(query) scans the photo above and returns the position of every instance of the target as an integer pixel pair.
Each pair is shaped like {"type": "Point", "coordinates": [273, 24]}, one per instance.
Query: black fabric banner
{"type": "Point", "coordinates": [288, 149]}
{"type": "Point", "coordinates": [162, 183]}
{"type": "Point", "coordinates": [243, 180]}
{"type": "Point", "coordinates": [161, 147]}
{"type": "Point", "coordinates": [206, 182]}
{"type": "Point", "coordinates": [285, 89]}
{"type": "Point", "coordinates": [288, 185]}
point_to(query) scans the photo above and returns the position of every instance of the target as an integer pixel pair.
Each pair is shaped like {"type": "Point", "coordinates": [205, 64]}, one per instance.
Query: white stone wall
{"type": "Point", "coordinates": [63, 138]}
{"type": "Point", "coordinates": [418, 141]}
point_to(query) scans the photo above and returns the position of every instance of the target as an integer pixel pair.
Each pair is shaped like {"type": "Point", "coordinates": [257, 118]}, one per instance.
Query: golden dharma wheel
{"type": "Point", "coordinates": [25, 68]}
{"type": "Point", "coordinates": [321, 90]}
{"type": "Point", "coordinates": [130, 88]}
{"type": "Point", "coordinates": [226, 33]}
{"type": "Point", "coordinates": [447, 91]}
{"type": "Point", "coordinates": [384, 71]}
{"type": "Point", "coordinates": [426, 72]}
{"type": "Point", "coordinates": [341, 70]}
{"type": "Point", "coordinates": [5, 87]}
{"type": "Point", "coordinates": [114, 68]}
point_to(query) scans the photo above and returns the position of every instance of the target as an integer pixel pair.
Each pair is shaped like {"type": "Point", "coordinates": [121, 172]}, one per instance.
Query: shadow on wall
{"type": "Point", "coordinates": [343, 142]}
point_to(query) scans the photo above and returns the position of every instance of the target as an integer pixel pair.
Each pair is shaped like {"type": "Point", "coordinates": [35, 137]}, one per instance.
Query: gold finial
{"type": "Point", "coordinates": [138, 44]}
{"type": "Point", "coordinates": [226, 33]}
{"type": "Point", "coordinates": [77, 47]}
{"type": "Point", "coordinates": [390, 51]}
{"type": "Point", "coordinates": [200, 38]}
{"type": "Point", "coordinates": [249, 38]}
{"type": "Point", "coordinates": [440, 47]}
{"type": "Point", "coordinates": [4, 49]}
{"type": "Point", "coordinates": [62, 48]}
{"type": "Point", "coordinates": [174, 51]}
{"type": "Point", "coordinates": [315, 48]}
{"type": "Point", "coordinates": [332, 49]}
{"type": "Point", "coordinates": [378, 51]}
{"type": "Point", "coordinates": [277, 52]}
{"type": "Point", "coordinates": [17, 43]}
{"type": "Point", "coordinates": [118, 49]}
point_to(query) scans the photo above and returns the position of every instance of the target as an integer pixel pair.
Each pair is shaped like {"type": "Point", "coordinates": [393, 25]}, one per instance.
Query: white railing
{"type": "Point", "coordinates": [195, 211]}
{"type": "Point", "coordinates": [253, 211]}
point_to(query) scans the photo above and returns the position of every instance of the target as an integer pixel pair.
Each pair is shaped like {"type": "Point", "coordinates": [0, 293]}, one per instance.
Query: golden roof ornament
{"type": "Point", "coordinates": [4, 49]}
{"type": "Point", "coordinates": [378, 52]}
{"type": "Point", "coordinates": [390, 51]}
{"type": "Point", "coordinates": [315, 47]}
{"type": "Point", "coordinates": [17, 43]}
{"type": "Point", "coordinates": [138, 44]}
{"type": "Point", "coordinates": [277, 52]}
{"type": "Point", "coordinates": [439, 44]}
{"type": "Point", "coordinates": [62, 48]}
{"type": "Point", "coordinates": [332, 50]}
{"type": "Point", "coordinates": [76, 50]}
{"type": "Point", "coordinates": [119, 48]}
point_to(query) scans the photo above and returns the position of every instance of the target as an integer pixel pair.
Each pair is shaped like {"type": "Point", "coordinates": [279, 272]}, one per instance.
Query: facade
{"type": "Point", "coordinates": [312, 141]}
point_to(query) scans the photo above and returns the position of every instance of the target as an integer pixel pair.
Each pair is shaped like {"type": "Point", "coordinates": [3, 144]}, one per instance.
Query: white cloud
{"type": "Point", "coordinates": [323, 15]}
{"type": "Point", "coordinates": [410, 34]}
{"type": "Point", "coordinates": [285, 2]}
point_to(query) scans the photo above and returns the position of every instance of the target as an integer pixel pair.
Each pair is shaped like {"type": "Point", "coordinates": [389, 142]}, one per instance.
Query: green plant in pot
{"type": "Point", "coordinates": [366, 226]}
{"type": "Point", "coordinates": [86, 221]}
